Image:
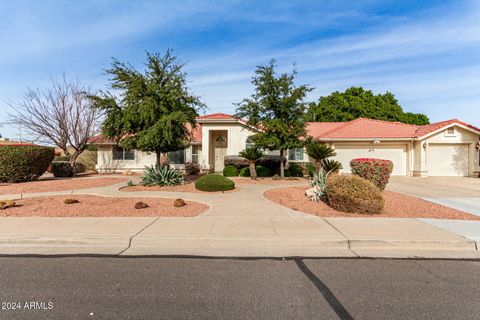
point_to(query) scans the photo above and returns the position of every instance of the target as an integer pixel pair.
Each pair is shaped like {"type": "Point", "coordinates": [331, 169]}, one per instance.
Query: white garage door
{"type": "Point", "coordinates": [395, 153]}
{"type": "Point", "coordinates": [447, 160]}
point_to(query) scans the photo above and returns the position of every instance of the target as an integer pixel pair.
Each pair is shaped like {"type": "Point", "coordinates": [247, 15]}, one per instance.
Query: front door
{"type": "Point", "coordinates": [220, 152]}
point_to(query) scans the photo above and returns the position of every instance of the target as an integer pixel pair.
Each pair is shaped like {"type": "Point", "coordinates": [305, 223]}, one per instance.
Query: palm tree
{"type": "Point", "coordinates": [252, 154]}
{"type": "Point", "coordinates": [319, 152]}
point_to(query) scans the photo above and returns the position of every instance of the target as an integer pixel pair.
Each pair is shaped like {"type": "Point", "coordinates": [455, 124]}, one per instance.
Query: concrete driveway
{"type": "Point", "coordinates": [460, 193]}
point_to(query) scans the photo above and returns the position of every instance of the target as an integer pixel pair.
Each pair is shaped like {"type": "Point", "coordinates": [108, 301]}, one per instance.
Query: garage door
{"type": "Point", "coordinates": [447, 160]}
{"type": "Point", "coordinates": [395, 153]}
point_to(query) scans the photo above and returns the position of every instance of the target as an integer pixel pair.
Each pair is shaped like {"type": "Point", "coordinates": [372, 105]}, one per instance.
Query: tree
{"type": "Point", "coordinates": [319, 152]}
{"type": "Point", "coordinates": [155, 109]}
{"type": "Point", "coordinates": [357, 102]}
{"type": "Point", "coordinates": [276, 107]}
{"type": "Point", "coordinates": [252, 154]}
{"type": "Point", "coordinates": [62, 115]}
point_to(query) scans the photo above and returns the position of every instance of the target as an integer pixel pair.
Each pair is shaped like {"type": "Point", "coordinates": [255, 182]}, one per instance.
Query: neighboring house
{"type": "Point", "coordinates": [448, 148]}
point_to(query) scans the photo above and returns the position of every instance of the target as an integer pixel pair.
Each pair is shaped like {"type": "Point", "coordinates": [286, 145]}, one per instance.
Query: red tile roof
{"type": "Point", "coordinates": [363, 128]}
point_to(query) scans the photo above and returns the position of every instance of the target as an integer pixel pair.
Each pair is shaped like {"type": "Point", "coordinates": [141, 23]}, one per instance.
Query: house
{"type": "Point", "coordinates": [448, 148]}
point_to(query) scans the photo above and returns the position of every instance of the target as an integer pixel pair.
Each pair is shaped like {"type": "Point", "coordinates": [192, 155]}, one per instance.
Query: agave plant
{"type": "Point", "coordinates": [331, 166]}
{"type": "Point", "coordinates": [161, 176]}
{"type": "Point", "coordinates": [319, 186]}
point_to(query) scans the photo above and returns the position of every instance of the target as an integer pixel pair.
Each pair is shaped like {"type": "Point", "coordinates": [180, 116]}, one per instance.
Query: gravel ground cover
{"type": "Point", "coordinates": [95, 206]}
{"type": "Point", "coordinates": [397, 205]}
{"type": "Point", "coordinates": [58, 184]}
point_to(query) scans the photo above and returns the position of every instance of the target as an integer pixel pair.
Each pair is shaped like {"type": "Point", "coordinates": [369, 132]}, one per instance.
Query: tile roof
{"type": "Point", "coordinates": [217, 116]}
{"type": "Point", "coordinates": [363, 128]}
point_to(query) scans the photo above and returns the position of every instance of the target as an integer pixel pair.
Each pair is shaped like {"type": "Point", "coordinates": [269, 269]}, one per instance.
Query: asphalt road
{"type": "Point", "coordinates": [186, 288]}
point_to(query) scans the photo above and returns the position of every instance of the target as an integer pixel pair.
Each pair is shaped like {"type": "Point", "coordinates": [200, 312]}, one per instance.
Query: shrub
{"type": "Point", "coordinates": [214, 182]}
{"type": "Point", "coordinates": [161, 176]}
{"type": "Point", "coordinates": [192, 168]}
{"type": "Point", "coordinates": [230, 171]}
{"type": "Point", "coordinates": [310, 169]}
{"type": "Point", "coordinates": [295, 170]}
{"type": "Point", "coordinates": [244, 172]}
{"type": "Point", "coordinates": [24, 163]}
{"type": "Point", "coordinates": [350, 193]}
{"type": "Point", "coordinates": [376, 171]}
{"type": "Point", "coordinates": [331, 166]}
{"type": "Point", "coordinates": [61, 169]}
{"type": "Point", "coordinates": [236, 161]}
{"type": "Point", "coordinates": [5, 204]}
{"type": "Point", "coordinates": [318, 190]}
{"type": "Point", "coordinates": [263, 172]}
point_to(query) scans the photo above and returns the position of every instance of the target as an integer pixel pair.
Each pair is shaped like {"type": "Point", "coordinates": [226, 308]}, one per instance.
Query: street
{"type": "Point", "coordinates": [202, 288]}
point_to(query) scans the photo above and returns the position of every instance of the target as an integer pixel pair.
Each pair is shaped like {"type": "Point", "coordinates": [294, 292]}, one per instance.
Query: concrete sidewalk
{"type": "Point", "coordinates": [207, 236]}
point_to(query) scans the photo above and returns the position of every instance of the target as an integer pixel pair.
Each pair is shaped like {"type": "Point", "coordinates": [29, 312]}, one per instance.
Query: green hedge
{"type": "Point", "coordinates": [214, 182]}
{"type": "Point", "coordinates": [24, 163]}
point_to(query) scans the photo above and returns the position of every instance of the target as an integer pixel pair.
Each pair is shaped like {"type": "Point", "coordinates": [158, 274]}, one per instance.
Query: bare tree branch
{"type": "Point", "coordinates": [62, 115]}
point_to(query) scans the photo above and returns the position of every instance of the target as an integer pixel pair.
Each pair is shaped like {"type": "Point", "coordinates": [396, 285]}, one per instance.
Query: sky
{"type": "Point", "coordinates": [427, 52]}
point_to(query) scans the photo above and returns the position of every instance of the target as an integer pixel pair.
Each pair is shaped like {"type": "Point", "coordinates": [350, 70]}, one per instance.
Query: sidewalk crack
{"type": "Point", "coordinates": [136, 234]}
{"type": "Point", "coordinates": [348, 240]}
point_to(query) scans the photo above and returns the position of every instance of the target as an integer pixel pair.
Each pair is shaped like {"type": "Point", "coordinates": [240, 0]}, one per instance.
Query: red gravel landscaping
{"type": "Point", "coordinates": [187, 187]}
{"type": "Point", "coordinates": [94, 206]}
{"type": "Point", "coordinates": [397, 205]}
{"type": "Point", "coordinates": [52, 184]}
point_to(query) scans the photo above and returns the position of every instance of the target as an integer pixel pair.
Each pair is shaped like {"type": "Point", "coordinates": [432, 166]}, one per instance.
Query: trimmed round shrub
{"type": "Point", "coordinates": [214, 182]}
{"type": "Point", "coordinates": [244, 172]}
{"type": "Point", "coordinates": [24, 163]}
{"type": "Point", "coordinates": [376, 171]}
{"type": "Point", "coordinates": [61, 169]}
{"type": "Point", "coordinates": [263, 172]}
{"type": "Point", "coordinates": [230, 171]}
{"type": "Point", "coordinates": [350, 193]}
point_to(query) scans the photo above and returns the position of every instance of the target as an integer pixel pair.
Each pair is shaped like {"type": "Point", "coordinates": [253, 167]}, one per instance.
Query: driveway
{"type": "Point", "coordinates": [460, 193]}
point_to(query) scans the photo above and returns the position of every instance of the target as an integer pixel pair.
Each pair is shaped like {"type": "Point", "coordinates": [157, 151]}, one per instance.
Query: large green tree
{"type": "Point", "coordinates": [150, 110]}
{"type": "Point", "coordinates": [356, 102]}
{"type": "Point", "coordinates": [277, 107]}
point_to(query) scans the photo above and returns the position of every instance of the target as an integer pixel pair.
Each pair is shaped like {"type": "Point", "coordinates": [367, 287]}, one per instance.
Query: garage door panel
{"type": "Point", "coordinates": [447, 160]}
{"type": "Point", "coordinates": [395, 153]}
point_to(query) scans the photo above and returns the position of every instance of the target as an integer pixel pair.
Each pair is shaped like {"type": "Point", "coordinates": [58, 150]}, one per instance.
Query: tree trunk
{"type": "Point", "coordinates": [73, 162]}
{"type": "Point", "coordinates": [282, 166]}
{"type": "Point", "coordinates": [253, 171]}
{"type": "Point", "coordinates": [318, 164]}
{"type": "Point", "coordinates": [158, 156]}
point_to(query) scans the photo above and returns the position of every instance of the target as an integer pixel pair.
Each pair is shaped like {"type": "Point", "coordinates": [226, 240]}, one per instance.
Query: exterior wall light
{"type": "Point", "coordinates": [376, 142]}
{"type": "Point", "coordinates": [477, 146]}
{"type": "Point", "coordinates": [424, 145]}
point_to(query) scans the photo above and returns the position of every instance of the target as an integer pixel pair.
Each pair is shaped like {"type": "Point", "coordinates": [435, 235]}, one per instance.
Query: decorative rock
{"type": "Point", "coordinates": [179, 203]}
{"type": "Point", "coordinates": [141, 205]}
{"type": "Point", "coordinates": [7, 204]}
{"type": "Point", "coordinates": [70, 201]}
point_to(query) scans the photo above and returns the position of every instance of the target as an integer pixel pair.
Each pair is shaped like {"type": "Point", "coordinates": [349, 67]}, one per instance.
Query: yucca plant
{"type": "Point", "coordinates": [161, 176]}
{"type": "Point", "coordinates": [331, 166]}
{"type": "Point", "coordinates": [319, 152]}
{"type": "Point", "coordinates": [252, 154]}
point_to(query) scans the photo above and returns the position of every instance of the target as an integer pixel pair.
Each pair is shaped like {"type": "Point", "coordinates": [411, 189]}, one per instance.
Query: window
{"type": "Point", "coordinates": [295, 154]}
{"type": "Point", "coordinates": [195, 154]}
{"type": "Point", "coordinates": [249, 143]}
{"type": "Point", "coordinates": [177, 157]}
{"type": "Point", "coordinates": [450, 131]}
{"type": "Point", "coordinates": [120, 153]}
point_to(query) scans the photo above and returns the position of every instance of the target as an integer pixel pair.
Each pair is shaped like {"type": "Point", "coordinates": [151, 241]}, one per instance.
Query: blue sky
{"type": "Point", "coordinates": [426, 52]}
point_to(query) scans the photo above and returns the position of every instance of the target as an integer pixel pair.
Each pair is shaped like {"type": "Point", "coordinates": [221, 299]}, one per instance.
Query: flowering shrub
{"type": "Point", "coordinates": [376, 171]}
